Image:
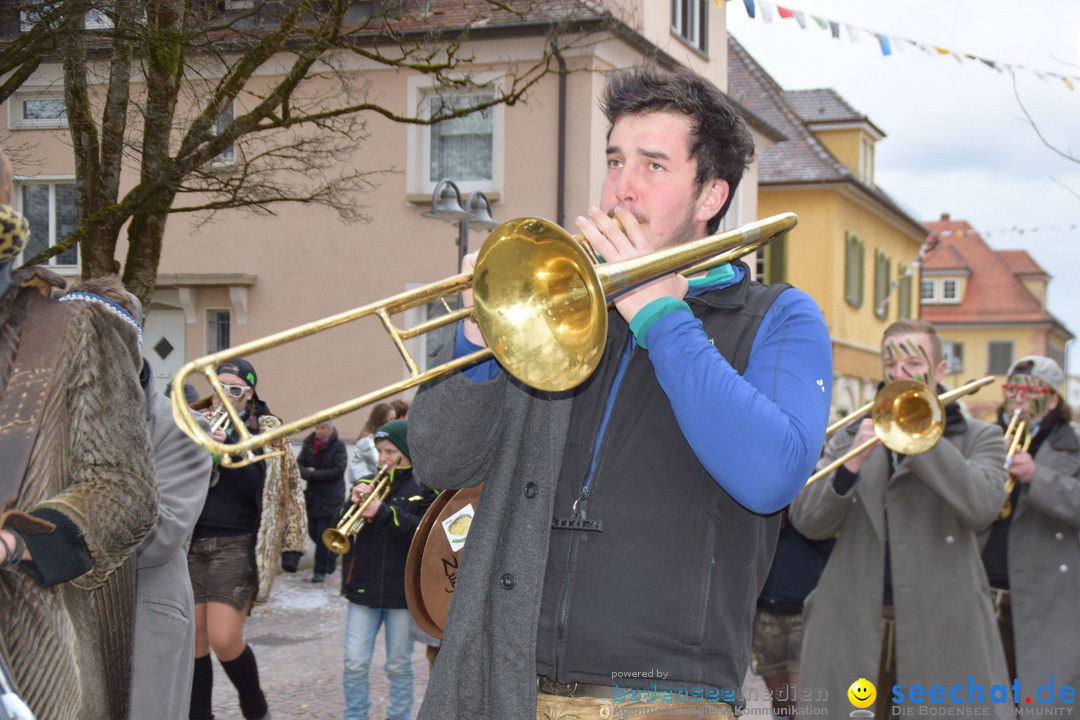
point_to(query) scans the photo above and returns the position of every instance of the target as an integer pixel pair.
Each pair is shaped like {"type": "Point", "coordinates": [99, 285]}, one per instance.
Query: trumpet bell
{"type": "Point", "coordinates": [336, 541]}
{"type": "Point", "coordinates": [539, 304]}
{"type": "Point", "coordinates": [908, 417]}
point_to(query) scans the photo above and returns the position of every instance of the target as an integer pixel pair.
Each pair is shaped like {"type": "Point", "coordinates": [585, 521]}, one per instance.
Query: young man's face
{"type": "Point", "coordinates": [1032, 397]}
{"type": "Point", "coordinates": [650, 171]}
{"type": "Point", "coordinates": [389, 455]}
{"type": "Point", "coordinates": [910, 356]}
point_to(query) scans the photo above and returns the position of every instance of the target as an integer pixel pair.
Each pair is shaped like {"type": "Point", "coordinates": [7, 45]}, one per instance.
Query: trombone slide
{"type": "Point", "coordinates": [540, 302]}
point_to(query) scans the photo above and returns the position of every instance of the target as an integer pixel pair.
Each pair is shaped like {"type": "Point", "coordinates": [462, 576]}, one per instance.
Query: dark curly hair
{"type": "Point", "coordinates": [720, 143]}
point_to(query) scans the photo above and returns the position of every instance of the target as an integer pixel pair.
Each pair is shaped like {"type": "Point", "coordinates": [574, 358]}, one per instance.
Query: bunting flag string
{"type": "Point", "coordinates": [934, 239]}
{"type": "Point", "coordinates": [929, 244]}
{"type": "Point", "coordinates": [1012, 230]}
{"type": "Point", "coordinates": [891, 44]}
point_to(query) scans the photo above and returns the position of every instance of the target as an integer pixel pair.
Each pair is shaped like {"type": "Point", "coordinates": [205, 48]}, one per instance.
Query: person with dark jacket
{"type": "Point", "coordinates": [777, 639]}
{"type": "Point", "coordinates": [322, 462]}
{"type": "Point", "coordinates": [373, 579]}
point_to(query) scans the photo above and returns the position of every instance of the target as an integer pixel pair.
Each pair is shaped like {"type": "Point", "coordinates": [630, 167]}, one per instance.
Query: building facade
{"type": "Point", "coordinates": [245, 276]}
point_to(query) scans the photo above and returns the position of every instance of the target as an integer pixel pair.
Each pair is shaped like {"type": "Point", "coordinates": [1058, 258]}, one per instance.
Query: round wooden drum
{"type": "Point", "coordinates": [431, 568]}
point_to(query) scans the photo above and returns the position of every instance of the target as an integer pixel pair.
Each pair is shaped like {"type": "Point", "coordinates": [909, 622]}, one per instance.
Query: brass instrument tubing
{"type": "Point", "coordinates": [945, 398]}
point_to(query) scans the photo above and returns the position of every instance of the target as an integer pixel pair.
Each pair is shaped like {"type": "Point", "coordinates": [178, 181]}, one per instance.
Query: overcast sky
{"type": "Point", "coordinates": [956, 138]}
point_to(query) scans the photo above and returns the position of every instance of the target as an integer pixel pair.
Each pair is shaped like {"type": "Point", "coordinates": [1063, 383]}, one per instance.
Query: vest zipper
{"type": "Point", "coordinates": [579, 508]}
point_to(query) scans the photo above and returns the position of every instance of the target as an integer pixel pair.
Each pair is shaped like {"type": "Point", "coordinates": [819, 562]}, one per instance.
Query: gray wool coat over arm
{"type": "Point", "coordinates": [510, 438]}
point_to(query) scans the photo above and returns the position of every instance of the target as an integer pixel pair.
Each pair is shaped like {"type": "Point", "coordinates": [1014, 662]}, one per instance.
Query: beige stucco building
{"type": "Point", "coordinates": [244, 276]}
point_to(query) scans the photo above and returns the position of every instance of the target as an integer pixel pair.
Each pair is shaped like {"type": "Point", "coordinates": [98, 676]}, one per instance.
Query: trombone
{"type": "Point", "coordinates": [1020, 433]}
{"type": "Point", "coordinates": [540, 303]}
{"type": "Point", "coordinates": [909, 418]}
{"type": "Point", "coordinates": [338, 539]}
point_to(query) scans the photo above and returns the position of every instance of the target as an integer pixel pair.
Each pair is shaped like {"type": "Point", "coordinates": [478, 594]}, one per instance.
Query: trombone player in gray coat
{"type": "Point", "coordinates": [903, 599]}
{"type": "Point", "coordinates": [1032, 554]}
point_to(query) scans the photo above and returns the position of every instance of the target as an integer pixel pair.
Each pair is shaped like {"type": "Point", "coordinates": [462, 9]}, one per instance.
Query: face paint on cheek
{"type": "Point", "coordinates": [919, 351]}
{"type": "Point", "coordinates": [889, 353]}
{"type": "Point", "coordinates": [1038, 405]}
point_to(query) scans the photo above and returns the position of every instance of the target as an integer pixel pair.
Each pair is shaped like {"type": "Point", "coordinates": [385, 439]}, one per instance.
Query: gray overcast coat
{"type": "Point", "coordinates": [164, 611]}
{"type": "Point", "coordinates": [1044, 566]}
{"type": "Point", "coordinates": [937, 502]}
{"type": "Point", "coordinates": [477, 677]}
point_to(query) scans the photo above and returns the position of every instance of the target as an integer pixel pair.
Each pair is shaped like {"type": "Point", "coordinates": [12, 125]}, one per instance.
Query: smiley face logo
{"type": "Point", "coordinates": [862, 693]}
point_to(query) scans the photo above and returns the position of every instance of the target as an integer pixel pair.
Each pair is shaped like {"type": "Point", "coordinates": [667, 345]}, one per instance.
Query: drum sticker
{"type": "Point", "coordinates": [456, 527]}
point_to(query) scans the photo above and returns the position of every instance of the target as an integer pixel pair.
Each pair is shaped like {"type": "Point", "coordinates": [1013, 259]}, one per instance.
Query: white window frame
{"type": "Point", "coordinates": [947, 285]}
{"type": "Point", "coordinates": [953, 354]}
{"type": "Point", "coordinates": [51, 182]}
{"type": "Point", "coordinates": [418, 142]}
{"type": "Point", "coordinates": [17, 119]}
{"type": "Point", "coordinates": [208, 326]}
{"type": "Point", "coordinates": [226, 158]}
{"type": "Point", "coordinates": [693, 30]}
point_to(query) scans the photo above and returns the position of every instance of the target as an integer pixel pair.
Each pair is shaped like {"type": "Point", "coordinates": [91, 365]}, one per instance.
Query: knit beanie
{"type": "Point", "coordinates": [396, 431]}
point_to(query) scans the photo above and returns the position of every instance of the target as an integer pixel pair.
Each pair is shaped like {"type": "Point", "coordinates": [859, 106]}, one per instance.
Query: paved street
{"type": "Point", "coordinates": [298, 641]}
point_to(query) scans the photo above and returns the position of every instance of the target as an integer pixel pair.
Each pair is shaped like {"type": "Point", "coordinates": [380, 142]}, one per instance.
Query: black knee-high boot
{"type": "Point", "coordinates": [202, 685]}
{"type": "Point", "coordinates": [244, 673]}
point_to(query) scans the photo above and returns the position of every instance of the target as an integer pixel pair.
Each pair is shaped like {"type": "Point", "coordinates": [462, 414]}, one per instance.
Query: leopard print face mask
{"type": "Point", "coordinates": [14, 232]}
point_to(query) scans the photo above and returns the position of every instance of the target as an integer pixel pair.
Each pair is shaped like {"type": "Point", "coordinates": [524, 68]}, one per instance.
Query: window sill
{"type": "Point", "coordinates": [425, 198]}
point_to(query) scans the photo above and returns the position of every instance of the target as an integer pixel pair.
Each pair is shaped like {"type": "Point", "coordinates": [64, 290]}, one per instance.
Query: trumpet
{"type": "Point", "coordinates": [219, 419]}
{"type": "Point", "coordinates": [909, 418]}
{"type": "Point", "coordinates": [222, 419]}
{"type": "Point", "coordinates": [1019, 433]}
{"type": "Point", "coordinates": [338, 539]}
{"type": "Point", "coordinates": [540, 302]}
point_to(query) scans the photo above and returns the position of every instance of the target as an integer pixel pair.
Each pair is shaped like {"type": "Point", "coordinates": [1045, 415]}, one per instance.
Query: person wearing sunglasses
{"type": "Point", "coordinates": [253, 512]}
{"type": "Point", "coordinates": [1032, 554]}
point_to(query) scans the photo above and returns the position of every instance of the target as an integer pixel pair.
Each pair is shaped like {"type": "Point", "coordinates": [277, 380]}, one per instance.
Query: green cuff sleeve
{"type": "Point", "coordinates": [652, 312]}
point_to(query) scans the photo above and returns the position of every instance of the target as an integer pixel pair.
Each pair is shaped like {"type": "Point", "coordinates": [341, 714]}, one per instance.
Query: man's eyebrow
{"type": "Point", "coordinates": [651, 154]}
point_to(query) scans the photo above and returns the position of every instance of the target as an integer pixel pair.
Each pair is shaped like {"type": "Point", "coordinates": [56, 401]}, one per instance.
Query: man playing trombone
{"type": "Point", "coordinates": [903, 599]}
{"type": "Point", "coordinates": [623, 532]}
{"type": "Point", "coordinates": [1032, 555]}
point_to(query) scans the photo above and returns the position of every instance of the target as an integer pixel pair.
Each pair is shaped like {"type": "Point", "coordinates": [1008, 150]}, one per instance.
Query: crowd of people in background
{"type": "Point", "coordinates": [656, 517]}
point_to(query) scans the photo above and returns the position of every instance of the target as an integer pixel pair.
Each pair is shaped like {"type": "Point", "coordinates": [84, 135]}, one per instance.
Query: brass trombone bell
{"type": "Point", "coordinates": [540, 303]}
{"type": "Point", "coordinates": [338, 539]}
{"type": "Point", "coordinates": [909, 418]}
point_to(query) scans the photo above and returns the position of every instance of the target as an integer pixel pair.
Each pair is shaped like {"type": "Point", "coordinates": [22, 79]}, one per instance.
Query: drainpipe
{"type": "Point", "coordinates": [560, 173]}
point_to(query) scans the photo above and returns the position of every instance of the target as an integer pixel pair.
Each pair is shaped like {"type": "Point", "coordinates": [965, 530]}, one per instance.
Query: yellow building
{"type": "Point", "coordinates": [854, 250]}
{"type": "Point", "coordinates": [989, 307]}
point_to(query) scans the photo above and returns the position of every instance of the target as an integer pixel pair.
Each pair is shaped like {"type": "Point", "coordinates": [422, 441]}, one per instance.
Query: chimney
{"type": "Point", "coordinates": [944, 217]}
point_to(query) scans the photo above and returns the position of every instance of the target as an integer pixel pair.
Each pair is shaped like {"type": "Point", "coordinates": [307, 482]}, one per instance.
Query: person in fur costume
{"type": "Point", "coordinates": [77, 488]}
{"type": "Point", "coordinates": [253, 515]}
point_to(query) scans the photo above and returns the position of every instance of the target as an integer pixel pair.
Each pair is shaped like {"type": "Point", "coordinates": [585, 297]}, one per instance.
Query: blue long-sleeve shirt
{"type": "Point", "coordinates": [760, 434]}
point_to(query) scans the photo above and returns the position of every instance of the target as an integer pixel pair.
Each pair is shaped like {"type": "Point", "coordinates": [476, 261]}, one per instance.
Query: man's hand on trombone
{"type": "Point", "coordinates": [864, 433]}
{"type": "Point", "coordinates": [614, 244]}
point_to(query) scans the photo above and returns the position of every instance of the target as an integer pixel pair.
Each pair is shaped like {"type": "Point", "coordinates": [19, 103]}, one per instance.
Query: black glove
{"type": "Point", "coordinates": [290, 561]}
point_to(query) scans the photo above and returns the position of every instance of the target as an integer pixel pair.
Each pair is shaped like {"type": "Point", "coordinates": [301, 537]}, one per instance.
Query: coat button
{"type": "Point", "coordinates": [1059, 536]}
{"type": "Point", "coordinates": [531, 490]}
{"type": "Point", "coordinates": [1064, 568]}
{"type": "Point", "coordinates": [949, 539]}
{"type": "Point", "coordinates": [507, 581]}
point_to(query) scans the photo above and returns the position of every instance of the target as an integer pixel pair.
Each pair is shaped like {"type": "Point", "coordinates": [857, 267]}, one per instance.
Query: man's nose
{"type": "Point", "coordinates": [626, 191]}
